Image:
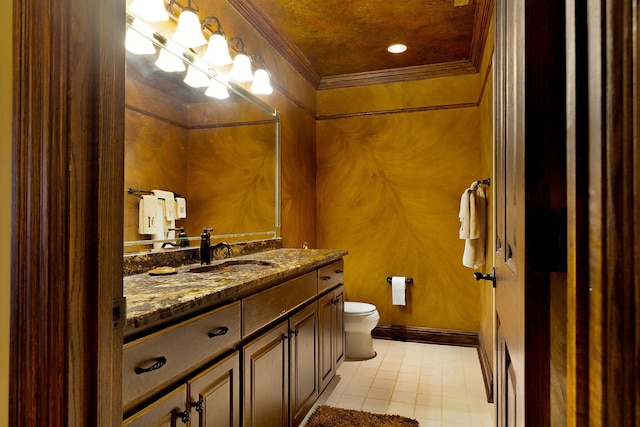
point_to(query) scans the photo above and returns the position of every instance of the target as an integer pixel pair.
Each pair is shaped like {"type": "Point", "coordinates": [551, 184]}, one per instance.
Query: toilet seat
{"type": "Point", "coordinates": [358, 308]}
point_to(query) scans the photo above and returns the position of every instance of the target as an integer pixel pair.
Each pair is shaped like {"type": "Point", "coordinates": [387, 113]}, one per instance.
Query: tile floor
{"type": "Point", "coordinates": [440, 386]}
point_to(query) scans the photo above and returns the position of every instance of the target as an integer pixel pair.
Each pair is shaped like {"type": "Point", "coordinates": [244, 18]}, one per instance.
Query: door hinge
{"type": "Point", "coordinates": [119, 312]}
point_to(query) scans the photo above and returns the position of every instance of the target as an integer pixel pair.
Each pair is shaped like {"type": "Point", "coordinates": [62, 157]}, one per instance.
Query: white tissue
{"type": "Point", "coordinates": [398, 290]}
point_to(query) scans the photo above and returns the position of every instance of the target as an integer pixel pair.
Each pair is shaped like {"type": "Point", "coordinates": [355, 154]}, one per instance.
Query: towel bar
{"type": "Point", "coordinates": [408, 280]}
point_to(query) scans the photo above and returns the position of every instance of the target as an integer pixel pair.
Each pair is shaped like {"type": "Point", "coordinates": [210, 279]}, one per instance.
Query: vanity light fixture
{"type": "Point", "coordinates": [149, 10]}
{"type": "Point", "coordinates": [241, 68]}
{"type": "Point", "coordinates": [261, 84]}
{"type": "Point", "coordinates": [397, 48]}
{"type": "Point", "coordinates": [217, 52]}
{"type": "Point", "coordinates": [189, 31]}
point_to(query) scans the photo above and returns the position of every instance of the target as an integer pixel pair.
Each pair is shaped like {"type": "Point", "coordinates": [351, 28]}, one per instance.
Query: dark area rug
{"type": "Point", "coordinates": [328, 416]}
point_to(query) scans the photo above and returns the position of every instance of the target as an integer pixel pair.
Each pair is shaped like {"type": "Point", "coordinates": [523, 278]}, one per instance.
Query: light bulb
{"type": "Point", "coordinates": [241, 69]}
{"type": "Point", "coordinates": [196, 78]}
{"type": "Point", "coordinates": [261, 84]}
{"type": "Point", "coordinates": [217, 90]}
{"type": "Point", "coordinates": [169, 62]}
{"type": "Point", "coordinates": [149, 10]}
{"type": "Point", "coordinates": [137, 44]}
{"type": "Point", "coordinates": [189, 31]}
{"type": "Point", "coordinates": [217, 52]}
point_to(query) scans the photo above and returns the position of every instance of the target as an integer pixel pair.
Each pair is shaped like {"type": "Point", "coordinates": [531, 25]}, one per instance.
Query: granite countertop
{"type": "Point", "coordinates": [154, 300]}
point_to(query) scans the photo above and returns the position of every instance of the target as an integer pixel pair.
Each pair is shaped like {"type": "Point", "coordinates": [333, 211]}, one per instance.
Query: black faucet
{"type": "Point", "coordinates": [182, 240]}
{"type": "Point", "coordinates": [205, 246]}
{"type": "Point", "coordinates": [223, 245]}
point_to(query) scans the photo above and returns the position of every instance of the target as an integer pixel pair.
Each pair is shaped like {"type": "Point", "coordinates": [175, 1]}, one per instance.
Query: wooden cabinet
{"type": "Point", "coordinates": [330, 335]}
{"type": "Point", "coordinates": [304, 388]}
{"type": "Point", "coordinates": [166, 411]}
{"type": "Point", "coordinates": [214, 395]}
{"type": "Point", "coordinates": [266, 379]}
{"type": "Point", "coordinates": [279, 347]}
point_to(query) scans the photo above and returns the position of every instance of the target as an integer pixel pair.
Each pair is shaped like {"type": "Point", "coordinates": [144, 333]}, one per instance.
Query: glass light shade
{"type": "Point", "coordinates": [196, 78]}
{"type": "Point", "coordinates": [217, 90]}
{"type": "Point", "coordinates": [169, 62]}
{"type": "Point", "coordinates": [261, 84]}
{"type": "Point", "coordinates": [189, 31]}
{"type": "Point", "coordinates": [241, 69]}
{"type": "Point", "coordinates": [149, 10]}
{"type": "Point", "coordinates": [217, 52]}
{"type": "Point", "coordinates": [137, 44]}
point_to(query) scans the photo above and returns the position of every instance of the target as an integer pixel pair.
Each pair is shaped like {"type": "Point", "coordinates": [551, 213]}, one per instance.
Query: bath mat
{"type": "Point", "coordinates": [328, 416]}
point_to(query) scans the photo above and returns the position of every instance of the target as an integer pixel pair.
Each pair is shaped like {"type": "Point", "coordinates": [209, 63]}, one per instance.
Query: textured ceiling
{"type": "Point", "coordinates": [343, 42]}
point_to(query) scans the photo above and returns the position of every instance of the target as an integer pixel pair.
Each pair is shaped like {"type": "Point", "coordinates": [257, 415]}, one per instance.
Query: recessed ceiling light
{"type": "Point", "coordinates": [397, 48]}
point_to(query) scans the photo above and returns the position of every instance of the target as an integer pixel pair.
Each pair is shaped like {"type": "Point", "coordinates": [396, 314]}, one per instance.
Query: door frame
{"type": "Point", "coordinates": [67, 204]}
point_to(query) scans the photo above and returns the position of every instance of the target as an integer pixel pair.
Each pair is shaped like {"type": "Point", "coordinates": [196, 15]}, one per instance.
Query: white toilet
{"type": "Point", "coordinates": [359, 320]}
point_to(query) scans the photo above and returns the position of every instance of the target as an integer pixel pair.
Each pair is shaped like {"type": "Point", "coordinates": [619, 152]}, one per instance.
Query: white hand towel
{"type": "Point", "coordinates": [147, 221]}
{"type": "Point", "coordinates": [475, 219]}
{"type": "Point", "coordinates": [169, 203]}
{"type": "Point", "coordinates": [181, 208]}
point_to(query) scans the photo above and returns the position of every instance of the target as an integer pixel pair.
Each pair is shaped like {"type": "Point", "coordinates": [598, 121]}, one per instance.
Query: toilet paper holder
{"type": "Point", "coordinates": [408, 280]}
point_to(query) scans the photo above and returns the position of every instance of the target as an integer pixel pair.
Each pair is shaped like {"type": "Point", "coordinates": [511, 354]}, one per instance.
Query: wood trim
{"type": "Point", "coordinates": [68, 145]}
{"type": "Point", "coordinates": [442, 337]}
{"type": "Point", "coordinates": [394, 75]}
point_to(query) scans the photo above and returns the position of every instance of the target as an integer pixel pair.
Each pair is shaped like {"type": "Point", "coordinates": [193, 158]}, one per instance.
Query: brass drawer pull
{"type": "Point", "coordinates": [326, 277]}
{"type": "Point", "coordinates": [159, 363]}
{"type": "Point", "coordinates": [218, 332]}
{"type": "Point", "coordinates": [339, 271]}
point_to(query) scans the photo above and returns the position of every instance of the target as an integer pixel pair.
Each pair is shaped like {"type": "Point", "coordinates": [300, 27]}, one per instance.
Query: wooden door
{"type": "Point", "coordinates": [304, 388]}
{"type": "Point", "coordinates": [215, 395]}
{"type": "Point", "coordinates": [326, 367]}
{"type": "Point", "coordinates": [338, 327]}
{"type": "Point", "coordinates": [167, 411]}
{"type": "Point", "coordinates": [509, 190]}
{"type": "Point", "coordinates": [266, 379]}
{"type": "Point", "coordinates": [530, 209]}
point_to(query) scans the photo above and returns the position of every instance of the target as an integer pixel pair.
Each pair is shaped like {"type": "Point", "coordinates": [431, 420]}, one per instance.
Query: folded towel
{"type": "Point", "coordinates": [181, 208]}
{"type": "Point", "coordinates": [147, 221]}
{"type": "Point", "coordinates": [168, 204]}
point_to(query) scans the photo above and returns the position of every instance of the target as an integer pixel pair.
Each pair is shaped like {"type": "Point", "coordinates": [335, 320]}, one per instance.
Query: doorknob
{"type": "Point", "coordinates": [480, 276]}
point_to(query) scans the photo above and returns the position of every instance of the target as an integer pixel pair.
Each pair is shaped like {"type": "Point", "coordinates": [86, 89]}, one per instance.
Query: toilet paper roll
{"type": "Point", "coordinates": [398, 290]}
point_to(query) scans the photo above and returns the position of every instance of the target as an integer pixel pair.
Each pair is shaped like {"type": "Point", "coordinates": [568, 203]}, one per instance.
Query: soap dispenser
{"type": "Point", "coordinates": [205, 244]}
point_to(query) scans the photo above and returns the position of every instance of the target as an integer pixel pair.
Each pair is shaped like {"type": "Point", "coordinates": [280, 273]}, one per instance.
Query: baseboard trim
{"type": "Point", "coordinates": [443, 337]}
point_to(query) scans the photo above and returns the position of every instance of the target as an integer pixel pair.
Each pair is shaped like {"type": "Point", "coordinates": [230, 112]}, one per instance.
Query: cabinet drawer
{"type": "Point", "coordinates": [264, 307]}
{"type": "Point", "coordinates": [151, 361]}
{"type": "Point", "coordinates": [330, 275]}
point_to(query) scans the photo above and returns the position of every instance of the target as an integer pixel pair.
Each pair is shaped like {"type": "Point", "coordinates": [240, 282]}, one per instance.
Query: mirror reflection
{"type": "Point", "coordinates": [220, 156]}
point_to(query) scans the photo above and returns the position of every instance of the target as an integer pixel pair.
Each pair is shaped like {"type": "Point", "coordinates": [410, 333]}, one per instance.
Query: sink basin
{"type": "Point", "coordinates": [233, 266]}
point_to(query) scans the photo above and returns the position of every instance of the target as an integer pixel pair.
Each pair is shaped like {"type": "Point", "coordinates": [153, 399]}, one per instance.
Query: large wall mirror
{"type": "Point", "coordinates": [220, 155]}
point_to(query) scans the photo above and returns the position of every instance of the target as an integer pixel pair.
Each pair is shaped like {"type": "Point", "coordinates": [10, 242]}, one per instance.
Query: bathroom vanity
{"type": "Point", "coordinates": [251, 340]}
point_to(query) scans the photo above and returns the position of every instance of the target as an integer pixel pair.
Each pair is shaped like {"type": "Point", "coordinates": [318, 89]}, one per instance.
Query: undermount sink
{"type": "Point", "coordinates": [233, 266]}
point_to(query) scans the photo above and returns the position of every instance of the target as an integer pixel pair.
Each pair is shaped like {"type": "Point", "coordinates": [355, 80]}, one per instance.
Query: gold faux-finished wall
{"type": "Point", "coordinates": [392, 163]}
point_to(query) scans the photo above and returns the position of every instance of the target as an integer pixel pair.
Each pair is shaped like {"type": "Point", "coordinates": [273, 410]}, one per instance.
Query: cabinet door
{"type": "Point", "coordinates": [266, 379]}
{"type": "Point", "coordinates": [304, 362]}
{"type": "Point", "coordinates": [338, 326]}
{"type": "Point", "coordinates": [215, 395]}
{"type": "Point", "coordinates": [330, 335]}
{"type": "Point", "coordinates": [326, 364]}
{"type": "Point", "coordinates": [167, 411]}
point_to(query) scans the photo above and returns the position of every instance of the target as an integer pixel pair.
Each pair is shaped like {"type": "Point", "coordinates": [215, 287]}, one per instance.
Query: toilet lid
{"type": "Point", "coordinates": [351, 307]}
